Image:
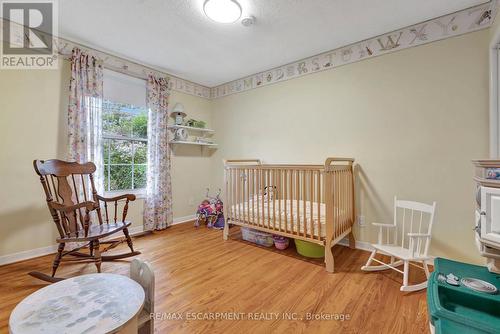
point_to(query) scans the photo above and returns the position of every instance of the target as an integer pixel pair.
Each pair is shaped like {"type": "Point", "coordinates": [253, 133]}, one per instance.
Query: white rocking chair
{"type": "Point", "coordinates": [415, 228]}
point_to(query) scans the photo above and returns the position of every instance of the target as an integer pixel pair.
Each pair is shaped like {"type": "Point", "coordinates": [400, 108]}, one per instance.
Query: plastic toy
{"type": "Point", "coordinates": [211, 212]}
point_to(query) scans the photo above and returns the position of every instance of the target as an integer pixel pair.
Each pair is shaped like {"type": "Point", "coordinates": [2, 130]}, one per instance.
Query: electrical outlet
{"type": "Point", "coordinates": [361, 220]}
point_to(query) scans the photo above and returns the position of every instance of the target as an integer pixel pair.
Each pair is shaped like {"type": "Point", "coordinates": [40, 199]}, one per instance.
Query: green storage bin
{"type": "Point", "coordinates": [309, 249]}
{"type": "Point", "coordinates": [457, 309]}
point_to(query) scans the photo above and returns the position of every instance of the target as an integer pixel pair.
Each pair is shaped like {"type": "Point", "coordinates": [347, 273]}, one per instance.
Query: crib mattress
{"type": "Point", "coordinates": [292, 218]}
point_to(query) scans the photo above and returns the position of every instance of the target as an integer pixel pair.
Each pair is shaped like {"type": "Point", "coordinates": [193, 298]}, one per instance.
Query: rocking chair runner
{"type": "Point", "coordinates": [416, 220]}
{"type": "Point", "coordinates": [65, 187]}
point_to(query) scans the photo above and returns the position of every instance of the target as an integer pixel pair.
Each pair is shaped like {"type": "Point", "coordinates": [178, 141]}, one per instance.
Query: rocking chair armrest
{"type": "Point", "coordinates": [130, 197]}
{"type": "Point", "coordinates": [419, 235]}
{"type": "Point", "coordinates": [68, 208]}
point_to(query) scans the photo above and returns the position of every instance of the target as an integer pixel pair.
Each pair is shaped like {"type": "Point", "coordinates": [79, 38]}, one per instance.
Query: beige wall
{"type": "Point", "coordinates": [33, 125]}
{"type": "Point", "coordinates": [413, 120]}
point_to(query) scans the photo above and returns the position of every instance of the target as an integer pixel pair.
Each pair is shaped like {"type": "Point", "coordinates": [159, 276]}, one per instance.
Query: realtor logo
{"type": "Point", "coordinates": [27, 34]}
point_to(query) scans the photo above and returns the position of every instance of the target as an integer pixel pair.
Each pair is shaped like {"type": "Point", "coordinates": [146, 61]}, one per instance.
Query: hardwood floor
{"type": "Point", "coordinates": [200, 275]}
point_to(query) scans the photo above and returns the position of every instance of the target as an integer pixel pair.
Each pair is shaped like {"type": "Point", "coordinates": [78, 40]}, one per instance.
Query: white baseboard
{"type": "Point", "coordinates": [27, 254]}
{"type": "Point", "coordinates": [37, 252]}
{"type": "Point", "coordinates": [363, 245]}
{"type": "Point", "coordinates": [185, 219]}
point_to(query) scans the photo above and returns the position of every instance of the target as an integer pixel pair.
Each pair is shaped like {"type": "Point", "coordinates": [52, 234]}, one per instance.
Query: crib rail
{"type": "Point", "coordinates": [291, 200]}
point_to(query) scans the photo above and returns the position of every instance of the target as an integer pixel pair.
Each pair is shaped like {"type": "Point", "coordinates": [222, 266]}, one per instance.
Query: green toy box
{"type": "Point", "coordinates": [458, 309]}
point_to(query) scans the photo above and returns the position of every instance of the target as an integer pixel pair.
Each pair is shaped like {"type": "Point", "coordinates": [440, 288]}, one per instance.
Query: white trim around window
{"type": "Point", "coordinates": [494, 94]}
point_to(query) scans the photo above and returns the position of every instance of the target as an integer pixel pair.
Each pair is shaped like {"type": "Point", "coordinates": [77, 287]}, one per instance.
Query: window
{"type": "Point", "coordinates": [125, 124]}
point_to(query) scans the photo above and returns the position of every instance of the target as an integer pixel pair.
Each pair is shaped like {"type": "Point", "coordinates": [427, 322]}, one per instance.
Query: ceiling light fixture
{"type": "Point", "coordinates": [222, 11]}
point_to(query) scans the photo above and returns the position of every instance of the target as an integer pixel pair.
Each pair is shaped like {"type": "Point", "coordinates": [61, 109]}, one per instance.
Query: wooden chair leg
{"type": "Point", "coordinates": [129, 240]}
{"type": "Point", "coordinates": [57, 259]}
{"type": "Point", "coordinates": [97, 255]}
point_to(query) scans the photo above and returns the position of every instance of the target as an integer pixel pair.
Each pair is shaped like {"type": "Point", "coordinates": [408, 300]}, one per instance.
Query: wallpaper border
{"type": "Point", "coordinates": [451, 25]}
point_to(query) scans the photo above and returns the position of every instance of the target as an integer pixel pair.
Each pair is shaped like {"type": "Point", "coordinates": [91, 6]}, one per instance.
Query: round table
{"type": "Point", "coordinates": [95, 303]}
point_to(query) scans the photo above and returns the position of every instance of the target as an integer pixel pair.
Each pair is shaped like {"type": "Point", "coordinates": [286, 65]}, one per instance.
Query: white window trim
{"type": "Point", "coordinates": [494, 111]}
{"type": "Point", "coordinates": [494, 120]}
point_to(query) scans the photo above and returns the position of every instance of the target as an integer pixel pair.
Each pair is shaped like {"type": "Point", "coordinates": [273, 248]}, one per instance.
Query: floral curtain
{"type": "Point", "coordinates": [158, 204]}
{"type": "Point", "coordinates": [84, 112]}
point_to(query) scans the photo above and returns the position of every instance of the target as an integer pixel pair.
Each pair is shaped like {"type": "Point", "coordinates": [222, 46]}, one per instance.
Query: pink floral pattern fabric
{"type": "Point", "coordinates": [85, 112]}
{"type": "Point", "coordinates": [158, 204]}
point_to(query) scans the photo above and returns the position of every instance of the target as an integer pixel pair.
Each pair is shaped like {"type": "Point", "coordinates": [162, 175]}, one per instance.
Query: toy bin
{"type": "Point", "coordinates": [257, 237]}
{"type": "Point", "coordinates": [457, 309]}
{"type": "Point", "coordinates": [309, 249]}
{"type": "Point", "coordinates": [280, 242]}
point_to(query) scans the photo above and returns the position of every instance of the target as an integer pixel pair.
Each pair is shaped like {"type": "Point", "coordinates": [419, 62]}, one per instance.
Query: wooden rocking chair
{"type": "Point", "coordinates": [70, 204]}
{"type": "Point", "coordinates": [416, 220]}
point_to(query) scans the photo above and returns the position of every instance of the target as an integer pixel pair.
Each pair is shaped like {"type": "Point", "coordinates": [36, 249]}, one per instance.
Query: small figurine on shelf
{"type": "Point", "coordinates": [178, 114]}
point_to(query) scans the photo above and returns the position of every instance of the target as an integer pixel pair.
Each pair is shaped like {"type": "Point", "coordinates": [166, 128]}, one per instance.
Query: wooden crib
{"type": "Point", "coordinates": [314, 203]}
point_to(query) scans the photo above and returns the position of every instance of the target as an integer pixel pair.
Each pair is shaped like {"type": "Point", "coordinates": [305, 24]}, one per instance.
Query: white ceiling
{"type": "Point", "coordinates": [176, 36]}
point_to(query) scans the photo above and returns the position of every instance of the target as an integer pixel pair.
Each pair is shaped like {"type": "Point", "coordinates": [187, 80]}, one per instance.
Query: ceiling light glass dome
{"type": "Point", "coordinates": [222, 11]}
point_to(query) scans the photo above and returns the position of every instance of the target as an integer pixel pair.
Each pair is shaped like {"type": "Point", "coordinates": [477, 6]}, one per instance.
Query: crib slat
{"type": "Point", "coordinates": [252, 174]}
{"type": "Point", "coordinates": [280, 191]}
{"type": "Point", "coordinates": [334, 202]}
{"type": "Point", "coordinates": [318, 199]}
{"type": "Point", "coordinates": [274, 198]}
{"type": "Point", "coordinates": [240, 194]}
{"type": "Point", "coordinates": [236, 201]}
{"type": "Point", "coordinates": [311, 201]}
{"type": "Point", "coordinates": [285, 197]}
{"type": "Point", "coordinates": [247, 185]}
{"type": "Point", "coordinates": [342, 203]}
{"type": "Point", "coordinates": [297, 195]}
{"type": "Point", "coordinates": [337, 206]}
{"type": "Point", "coordinates": [257, 180]}
{"type": "Point", "coordinates": [235, 192]}
{"type": "Point", "coordinates": [262, 184]}
{"type": "Point", "coordinates": [268, 202]}
{"type": "Point", "coordinates": [292, 220]}
{"type": "Point", "coordinates": [304, 220]}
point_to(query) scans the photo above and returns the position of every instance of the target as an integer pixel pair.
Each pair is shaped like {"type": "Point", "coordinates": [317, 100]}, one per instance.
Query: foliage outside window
{"type": "Point", "coordinates": [125, 146]}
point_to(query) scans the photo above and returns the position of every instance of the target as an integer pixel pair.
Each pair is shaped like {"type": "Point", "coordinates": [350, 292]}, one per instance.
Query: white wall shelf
{"type": "Point", "coordinates": [191, 143]}
{"type": "Point", "coordinates": [190, 128]}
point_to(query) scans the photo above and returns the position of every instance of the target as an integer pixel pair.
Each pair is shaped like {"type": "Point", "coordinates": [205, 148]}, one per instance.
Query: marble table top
{"type": "Point", "coordinates": [95, 303]}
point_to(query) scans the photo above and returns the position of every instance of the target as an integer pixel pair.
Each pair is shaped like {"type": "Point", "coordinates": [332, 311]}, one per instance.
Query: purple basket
{"type": "Point", "coordinates": [280, 242]}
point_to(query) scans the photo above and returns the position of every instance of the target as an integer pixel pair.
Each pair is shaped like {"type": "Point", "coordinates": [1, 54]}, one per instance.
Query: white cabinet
{"type": "Point", "coordinates": [490, 215]}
